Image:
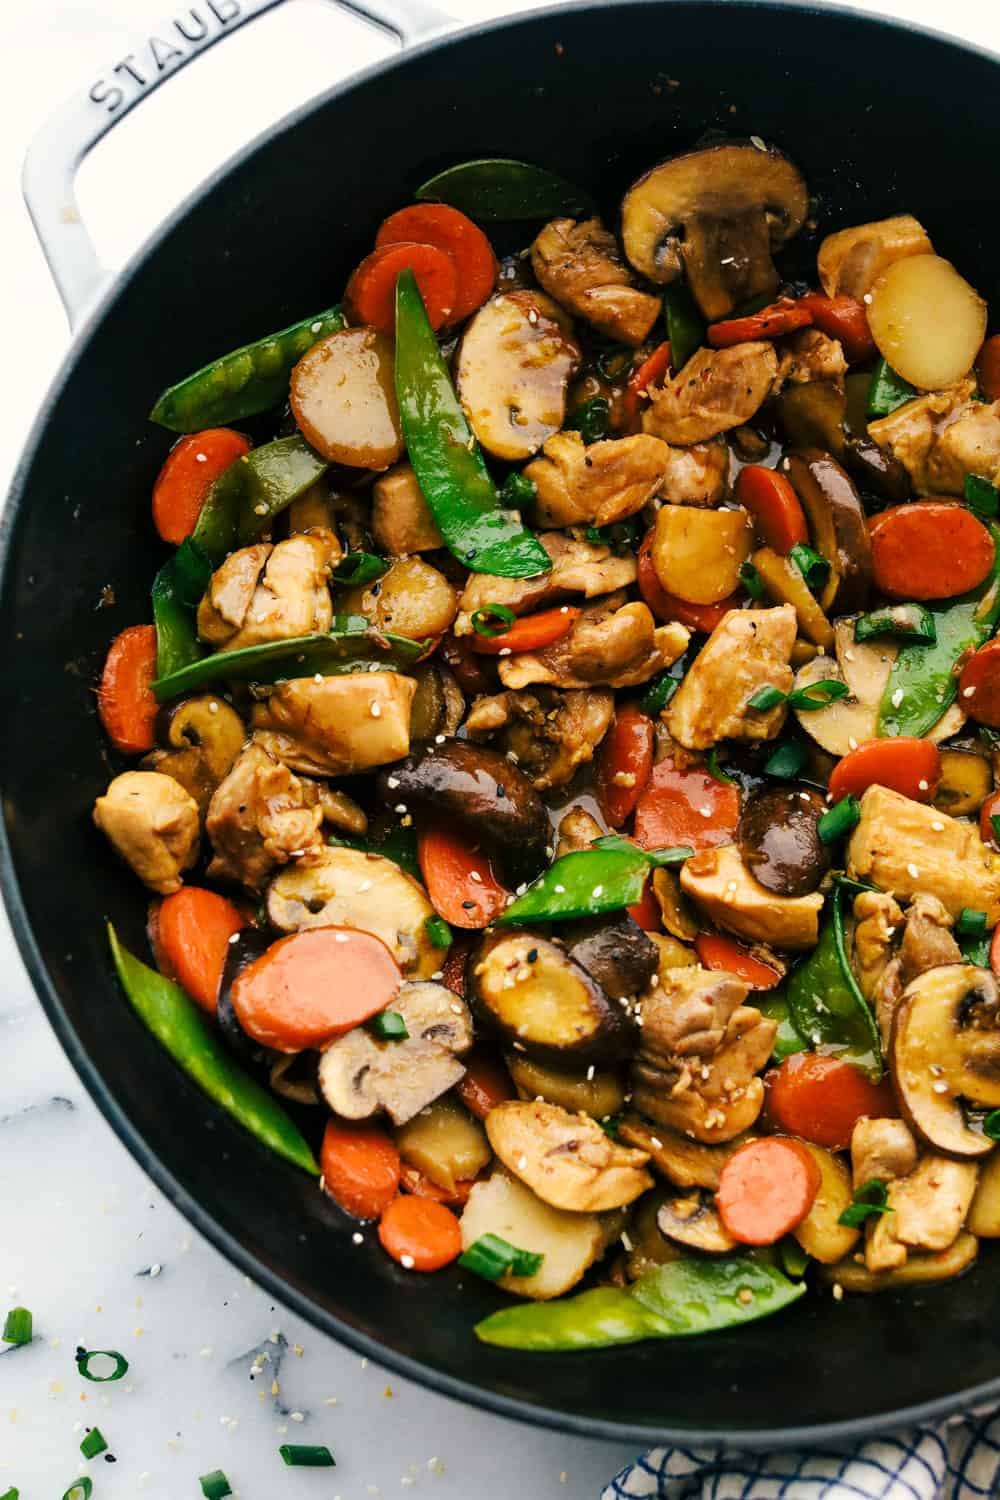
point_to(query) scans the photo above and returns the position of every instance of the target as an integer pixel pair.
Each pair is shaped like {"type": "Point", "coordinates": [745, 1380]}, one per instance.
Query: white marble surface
{"type": "Point", "coordinates": [80, 1226]}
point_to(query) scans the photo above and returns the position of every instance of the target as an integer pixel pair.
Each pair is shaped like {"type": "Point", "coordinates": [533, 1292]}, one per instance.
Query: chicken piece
{"type": "Point", "coordinates": [586, 568]}
{"type": "Point", "coordinates": [908, 848]}
{"type": "Point", "coordinates": [611, 644]}
{"type": "Point", "coordinates": [270, 593]}
{"type": "Point", "coordinates": [881, 1149]}
{"type": "Point", "coordinates": [699, 1051]}
{"type": "Point", "coordinates": [596, 485]}
{"type": "Point", "coordinates": [809, 355]}
{"type": "Point", "coordinates": [913, 432]}
{"type": "Point", "coordinates": [338, 725]}
{"type": "Point", "coordinates": [748, 649]}
{"type": "Point", "coordinates": [153, 824]}
{"type": "Point", "coordinates": [930, 1204]}
{"type": "Point", "coordinates": [926, 943]}
{"type": "Point", "coordinates": [547, 733]}
{"type": "Point", "coordinates": [579, 264]}
{"type": "Point", "coordinates": [877, 918]}
{"type": "Point", "coordinates": [721, 884]}
{"type": "Point", "coordinates": [260, 817]}
{"type": "Point", "coordinates": [577, 830]}
{"type": "Point", "coordinates": [401, 518]}
{"type": "Point", "coordinates": [698, 475]}
{"type": "Point", "coordinates": [717, 389]}
{"type": "Point", "coordinates": [567, 1160]}
{"type": "Point", "coordinates": [851, 260]}
{"type": "Point", "coordinates": [969, 445]}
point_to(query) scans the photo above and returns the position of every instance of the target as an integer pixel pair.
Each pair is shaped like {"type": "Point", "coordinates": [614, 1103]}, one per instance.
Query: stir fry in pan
{"type": "Point", "coordinates": [562, 756]}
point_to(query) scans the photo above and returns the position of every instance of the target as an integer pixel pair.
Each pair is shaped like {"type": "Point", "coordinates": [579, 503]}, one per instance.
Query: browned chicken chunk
{"type": "Point", "coordinates": [270, 593]}
{"type": "Point", "coordinates": [153, 824]}
{"type": "Point", "coordinates": [611, 644]}
{"type": "Point", "coordinates": [579, 264]}
{"type": "Point", "coordinates": [584, 568]}
{"type": "Point", "coordinates": [809, 355]}
{"type": "Point", "coordinates": [337, 725]}
{"type": "Point", "coordinates": [717, 389]}
{"type": "Point", "coordinates": [596, 485]}
{"type": "Point", "coordinates": [260, 817]}
{"type": "Point", "coordinates": [547, 733]}
{"type": "Point", "coordinates": [748, 649]}
{"type": "Point", "coordinates": [698, 475]}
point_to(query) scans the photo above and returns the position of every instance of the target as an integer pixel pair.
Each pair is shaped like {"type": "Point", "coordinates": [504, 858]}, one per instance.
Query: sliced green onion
{"type": "Point", "coordinates": [614, 364]}
{"type": "Point", "coordinates": [814, 569]}
{"type": "Point", "coordinates": [794, 1259]}
{"type": "Point", "coordinates": [438, 932]}
{"type": "Point", "coordinates": [610, 1125]}
{"type": "Point", "coordinates": [492, 620]}
{"type": "Point", "coordinates": [715, 770]}
{"type": "Point", "coordinates": [991, 1125]}
{"type": "Point", "coordinates": [995, 825]}
{"type": "Point", "coordinates": [751, 581]}
{"type": "Point", "coordinates": [84, 1357]}
{"type": "Point", "coordinates": [840, 820]}
{"type": "Point", "coordinates": [592, 420]}
{"type": "Point", "coordinates": [663, 858]}
{"type": "Point", "coordinates": [766, 698]}
{"type": "Point", "coordinates": [490, 1257]}
{"type": "Point", "coordinates": [659, 693]}
{"type": "Point", "coordinates": [388, 1026]}
{"type": "Point", "coordinates": [306, 1456]}
{"type": "Point", "coordinates": [517, 490]}
{"type": "Point", "coordinates": [911, 622]}
{"type": "Point", "coordinates": [787, 760]}
{"type": "Point", "coordinates": [870, 1201]}
{"type": "Point", "coordinates": [817, 695]}
{"type": "Point", "coordinates": [971, 923]}
{"type": "Point", "coordinates": [981, 496]}
{"type": "Point", "coordinates": [615, 534]}
{"type": "Point", "coordinates": [17, 1326]}
{"type": "Point", "coordinates": [887, 390]}
{"type": "Point", "coordinates": [215, 1486]}
{"type": "Point", "coordinates": [360, 567]}
{"type": "Point", "coordinates": [853, 886]}
{"type": "Point", "coordinates": [93, 1444]}
{"type": "Point", "coordinates": [11, 1494]}
{"type": "Point", "coordinates": [976, 950]}
{"type": "Point", "coordinates": [80, 1489]}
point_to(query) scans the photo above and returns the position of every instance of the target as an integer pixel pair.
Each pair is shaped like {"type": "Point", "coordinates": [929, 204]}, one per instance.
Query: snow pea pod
{"type": "Point", "coordinates": [245, 381]}
{"type": "Point", "coordinates": [497, 188]}
{"type": "Point", "coordinates": [177, 588]}
{"type": "Point", "coordinates": [685, 324]}
{"type": "Point", "coordinates": [607, 877]}
{"type": "Point", "coordinates": [446, 458]}
{"type": "Point", "coordinates": [787, 1040]}
{"type": "Point", "coordinates": [825, 1002]}
{"type": "Point", "coordinates": [247, 496]}
{"type": "Point", "coordinates": [179, 1027]}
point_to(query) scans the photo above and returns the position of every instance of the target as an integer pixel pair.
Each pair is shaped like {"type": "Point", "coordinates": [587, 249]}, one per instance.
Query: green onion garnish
{"type": "Point", "coordinates": [817, 695]}
{"type": "Point", "coordinates": [870, 1201]}
{"type": "Point", "coordinates": [991, 1125]}
{"type": "Point", "coordinates": [610, 1125]}
{"type": "Point", "coordinates": [662, 858]}
{"type": "Point", "coordinates": [659, 693]}
{"type": "Point", "coordinates": [981, 496]}
{"type": "Point", "coordinates": [751, 581]}
{"type": "Point", "coordinates": [517, 490]}
{"type": "Point", "coordinates": [592, 420]}
{"type": "Point", "coordinates": [80, 1489]}
{"type": "Point", "coordinates": [490, 1257]}
{"type": "Point", "coordinates": [971, 923]}
{"type": "Point", "coordinates": [995, 825]}
{"type": "Point", "coordinates": [438, 932]}
{"type": "Point", "coordinates": [887, 390]}
{"type": "Point", "coordinates": [766, 698]}
{"type": "Point", "coordinates": [492, 620]}
{"type": "Point", "coordinates": [814, 569]}
{"type": "Point", "coordinates": [215, 1486]}
{"type": "Point", "coordinates": [388, 1026]}
{"type": "Point", "coordinates": [911, 622]}
{"type": "Point", "coordinates": [11, 1494]}
{"type": "Point", "coordinates": [360, 567]}
{"type": "Point", "coordinates": [17, 1326]}
{"type": "Point", "coordinates": [715, 770]}
{"type": "Point", "coordinates": [840, 820]}
{"type": "Point", "coordinates": [305, 1456]}
{"type": "Point", "coordinates": [93, 1443]}
{"type": "Point", "coordinates": [787, 760]}
{"type": "Point", "coordinates": [84, 1357]}
{"type": "Point", "coordinates": [794, 1259]}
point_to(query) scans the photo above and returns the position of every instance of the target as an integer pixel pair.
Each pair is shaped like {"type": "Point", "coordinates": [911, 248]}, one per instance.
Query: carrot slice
{"type": "Point", "coordinates": [193, 931]}
{"type": "Point", "coordinates": [360, 1168]}
{"type": "Point", "coordinates": [843, 318]}
{"type": "Point", "coordinates": [929, 549]}
{"type": "Point", "coordinates": [192, 467]}
{"type": "Point", "coordinates": [979, 685]}
{"type": "Point", "coordinates": [667, 606]}
{"type": "Point", "coordinates": [909, 766]}
{"type": "Point", "coordinates": [651, 372]}
{"type": "Point", "coordinates": [371, 292]}
{"type": "Point", "coordinates": [988, 368]}
{"type": "Point", "coordinates": [686, 807]}
{"type": "Point", "coordinates": [624, 763]}
{"type": "Point", "coordinates": [647, 911]}
{"type": "Point", "coordinates": [717, 952]}
{"type": "Point", "coordinates": [459, 878]}
{"type": "Point", "coordinates": [783, 316]}
{"type": "Point", "coordinates": [311, 987]}
{"type": "Point", "coordinates": [530, 633]}
{"type": "Point", "coordinates": [989, 810]}
{"type": "Point", "coordinates": [453, 232]}
{"type": "Point", "coordinates": [774, 505]}
{"type": "Point", "coordinates": [822, 1099]}
{"type": "Point", "coordinates": [412, 1180]}
{"type": "Point", "coordinates": [766, 1188]}
{"type": "Point", "coordinates": [125, 699]}
{"type": "Point", "coordinates": [485, 1085]}
{"type": "Point", "coordinates": [421, 1234]}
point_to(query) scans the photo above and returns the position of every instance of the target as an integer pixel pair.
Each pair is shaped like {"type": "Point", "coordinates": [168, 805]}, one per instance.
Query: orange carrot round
{"type": "Point", "coordinates": [843, 318]}
{"type": "Point", "coordinates": [371, 292]}
{"type": "Point", "coordinates": [311, 987]}
{"type": "Point", "coordinates": [192, 467]}
{"type": "Point", "coordinates": [453, 232]}
{"type": "Point", "coordinates": [125, 698]}
{"type": "Point", "coordinates": [193, 929]}
{"type": "Point", "coordinates": [530, 633]}
{"type": "Point", "coordinates": [459, 878]}
{"type": "Point", "coordinates": [360, 1168]}
{"type": "Point", "coordinates": [909, 766]}
{"type": "Point", "coordinates": [979, 685]}
{"type": "Point", "coordinates": [822, 1099]}
{"type": "Point", "coordinates": [988, 368]}
{"type": "Point", "coordinates": [686, 807]}
{"type": "Point", "coordinates": [717, 952]}
{"type": "Point", "coordinates": [668, 606]}
{"type": "Point", "coordinates": [652, 371]}
{"type": "Point", "coordinates": [783, 316]}
{"type": "Point", "coordinates": [485, 1085]}
{"type": "Point", "coordinates": [774, 505]}
{"type": "Point", "coordinates": [421, 1234]}
{"type": "Point", "coordinates": [766, 1188]}
{"type": "Point", "coordinates": [624, 763]}
{"type": "Point", "coordinates": [929, 549]}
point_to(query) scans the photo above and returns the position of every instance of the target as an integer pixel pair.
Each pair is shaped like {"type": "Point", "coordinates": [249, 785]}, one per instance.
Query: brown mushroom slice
{"type": "Point", "coordinates": [445, 1143]}
{"type": "Point", "coordinates": [286, 1077]}
{"type": "Point", "coordinates": [916, 1271]}
{"type": "Point", "coordinates": [966, 782]}
{"type": "Point", "coordinates": [820, 1233]}
{"type": "Point", "coordinates": [530, 991]}
{"type": "Point", "coordinates": [945, 1047]}
{"type": "Point", "coordinates": [717, 215]}
{"type": "Point", "coordinates": [598, 1092]}
{"type": "Point", "coordinates": [694, 1222]}
{"type": "Point", "coordinates": [984, 1214]}
{"type": "Point", "coordinates": [567, 1160]}
{"type": "Point", "coordinates": [515, 361]}
{"type": "Point", "coordinates": [837, 524]}
{"type": "Point", "coordinates": [779, 842]}
{"type": "Point", "coordinates": [615, 951]}
{"type": "Point", "coordinates": [569, 1243]}
{"type": "Point", "coordinates": [205, 736]}
{"type": "Point", "coordinates": [676, 912]}
{"type": "Point", "coordinates": [684, 1162]}
{"type": "Point", "coordinates": [343, 397]}
{"type": "Point", "coordinates": [438, 704]}
{"type": "Point", "coordinates": [359, 1075]}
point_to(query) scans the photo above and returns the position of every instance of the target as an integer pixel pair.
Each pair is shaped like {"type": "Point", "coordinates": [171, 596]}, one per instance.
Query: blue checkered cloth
{"type": "Point", "coordinates": [955, 1460]}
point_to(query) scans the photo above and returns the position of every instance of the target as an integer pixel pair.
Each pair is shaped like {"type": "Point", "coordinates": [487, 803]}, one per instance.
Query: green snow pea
{"type": "Point", "coordinates": [179, 1027]}
{"type": "Point", "coordinates": [351, 646]}
{"type": "Point", "coordinates": [247, 496]}
{"type": "Point", "coordinates": [607, 877]}
{"type": "Point", "coordinates": [177, 590]}
{"type": "Point", "coordinates": [909, 622]}
{"type": "Point", "coordinates": [446, 458]}
{"type": "Point", "coordinates": [677, 1300]}
{"type": "Point", "coordinates": [825, 1003]}
{"type": "Point", "coordinates": [496, 188]}
{"type": "Point", "coordinates": [925, 674]}
{"type": "Point", "coordinates": [787, 1040]}
{"type": "Point", "coordinates": [246, 381]}
{"type": "Point", "coordinates": [888, 390]}
{"type": "Point", "coordinates": [685, 324]}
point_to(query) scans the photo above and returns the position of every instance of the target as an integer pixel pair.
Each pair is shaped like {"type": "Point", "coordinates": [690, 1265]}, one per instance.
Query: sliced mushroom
{"type": "Point", "coordinates": [684, 1162]}
{"type": "Point", "coordinates": [966, 782]}
{"type": "Point", "coordinates": [838, 526]}
{"type": "Point", "coordinates": [346, 888]}
{"type": "Point", "coordinates": [615, 951]}
{"type": "Point", "coordinates": [445, 1143]}
{"type": "Point", "coordinates": [596, 1092]}
{"type": "Point", "coordinates": [779, 840]}
{"type": "Point", "coordinates": [917, 1270]}
{"type": "Point", "coordinates": [694, 1223]}
{"type": "Point", "coordinates": [569, 1243]}
{"type": "Point", "coordinates": [293, 1076]}
{"type": "Point", "coordinates": [530, 991]}
{"type": "Point", "coordinates": [438, 704]}
{"type": "Point", "coordinates": [515, 360]}
{"type": "Point", "coordinates": [359, 1075]}
{"type": "Point", "coordinates": [946, 1047]}
{"type": "Point", "coordinates": [206, 724]}
{"type": "Point", "coordinates": [676, 912]}
{"type": "Point", "coordinates": [715, 214]}
{"type": "Point", "coordinates": [567, 1160]}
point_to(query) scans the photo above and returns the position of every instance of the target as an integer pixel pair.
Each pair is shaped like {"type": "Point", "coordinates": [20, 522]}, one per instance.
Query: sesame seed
{"type": "Point", "coordinates": [913, 872]}
{"type": "Point", "coordinates": [755, 140]}
{"type": "Point", "coordinates": [559, 889]}
{"type": "Point", "coordinates": [896, 698]}
{"type": "Point", "coordinates": [213, 707]}
{"type": "Point", "coordinates": [940, 1087]}
{"type": "Point", "coordinates": [923, 786]}
{"type": "Point", "coordinates": [475, 876]}
{"type": "Point", "coordinates": [706, 812]}
{"type": "Point", "coordinates": [315, 327]}
{"type": "Point", "coordinates": [260, 510]}
{"type": "Point", "coordinates": [317, 677]}
{"type": "Point", "coordinates": [365, 885]}
{"type": "Point", "coordinates": [376, 709]}
{"type": "Point", "coordinates": [522, 1162]}
{"type": "Point", "coordinates": [968, 692]}
{"type": "Point", "coordinates": [852, 742]}
{"type": "Point", "coordinates": [296, 1416]}
{"type": "Point", "coordinates": [201, 458]}
{"type": "Point", "coordinates": [392, 782]}
{"type": "Point", "coordinates": [357, 1239]}
{"type": "Point", "coordinates": [655, 1142]}
{"type": "Point", "coordinates": [597, 891]}
{"type": "Point", "coordinates": [504, 651]}
{"type": "Point", "coordinates": [439, 739]}
{"type": "Point", "coordinates": [590, 1073]}
{"type": "Point", "coordinates": [625, 1240]}
{"type": "Point", "coordinates": [400, 807]}
{"type": "Point", "coordinates": [407, 1262]}
{"type": "Point", "coordinates": [838, 1292]}
{"type": "Point", "coordinates": [937, 826]}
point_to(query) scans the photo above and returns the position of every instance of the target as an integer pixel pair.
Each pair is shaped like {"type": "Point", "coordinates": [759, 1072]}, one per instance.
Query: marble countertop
{"type": "Point", "coordinates": [85, 1240]}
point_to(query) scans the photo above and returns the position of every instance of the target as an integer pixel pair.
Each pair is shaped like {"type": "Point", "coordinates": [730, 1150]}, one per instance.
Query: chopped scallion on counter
{"type": "Point", "coordinates": [215, 1486]}
{"type": "Point", "coordinates": [388, 1026]}
{"type": "Point", "coordinates": [94, 1443]}
{"type": "Point", "coordinates": [17, 1326]}
{"type": "Point", "coordinates": [84, 1357]}
{"type": "Point", "coordinates": [306, 1456]}
{"type": "Point", "coordinates": [490, 1257]}
{"type": "Point", "coordinates": [843, 816]}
